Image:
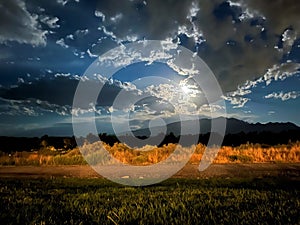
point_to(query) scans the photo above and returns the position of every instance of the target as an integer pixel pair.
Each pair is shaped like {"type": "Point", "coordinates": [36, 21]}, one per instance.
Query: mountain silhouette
{"type": "Point", "coordinates": [233, 126]}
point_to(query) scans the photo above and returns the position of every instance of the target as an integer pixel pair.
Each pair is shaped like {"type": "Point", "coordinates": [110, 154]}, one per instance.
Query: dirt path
{"type": "Point", "coordinates": [189, 171]}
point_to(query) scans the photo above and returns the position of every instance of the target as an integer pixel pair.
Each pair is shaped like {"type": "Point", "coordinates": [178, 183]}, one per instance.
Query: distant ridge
{"type": "Point", "coordinates": [233, 126]}
{"type": "Point", "coordinates": [238, 132]}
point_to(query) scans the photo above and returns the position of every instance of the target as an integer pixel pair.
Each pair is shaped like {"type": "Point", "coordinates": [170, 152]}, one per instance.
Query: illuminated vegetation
{"type": "Point", "coordinates": [247, 153]}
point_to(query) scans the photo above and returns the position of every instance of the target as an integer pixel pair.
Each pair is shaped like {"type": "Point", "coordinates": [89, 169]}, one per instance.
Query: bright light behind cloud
{"type": "Point", "coordinates": [186, 90]}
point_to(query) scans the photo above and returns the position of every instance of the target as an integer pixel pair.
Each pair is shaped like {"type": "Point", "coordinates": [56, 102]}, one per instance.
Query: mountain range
{"type": "Point", "coordinates": [233, 126]}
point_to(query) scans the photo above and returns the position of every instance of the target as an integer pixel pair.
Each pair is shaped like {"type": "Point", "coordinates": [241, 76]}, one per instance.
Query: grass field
{"type": "Point", "coordinates": [175, 201]}
{"type": "Point", "coordinates": [273, 197]}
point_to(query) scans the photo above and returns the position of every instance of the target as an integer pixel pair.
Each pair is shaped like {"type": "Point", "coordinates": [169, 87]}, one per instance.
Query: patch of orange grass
{"type": "Point", "coordinates": [254, 153]}
{"type": "Point", "coordinates": [248, 153]}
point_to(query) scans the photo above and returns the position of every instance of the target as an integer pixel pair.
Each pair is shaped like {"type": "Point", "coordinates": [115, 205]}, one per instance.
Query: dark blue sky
{"type": "Point", "coordinates": [252, 47]}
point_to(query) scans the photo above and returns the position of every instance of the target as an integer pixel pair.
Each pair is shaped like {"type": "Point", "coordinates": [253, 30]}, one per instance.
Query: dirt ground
{"type": "Point", "coordinates": [189, 171]}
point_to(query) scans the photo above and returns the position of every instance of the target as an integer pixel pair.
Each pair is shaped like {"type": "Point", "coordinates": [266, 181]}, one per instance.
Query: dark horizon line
{"type": "Point", "coordinates": [123, 133]}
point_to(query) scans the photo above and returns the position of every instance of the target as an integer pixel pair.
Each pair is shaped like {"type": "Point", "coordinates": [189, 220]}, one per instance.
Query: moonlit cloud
{"type": "Point", "coordinates": [31, 107]}
{"type": "Point", "coordinates": [100, 14]}
{"type": "Point", "coordinates": [20, 25]}
{"type": "Point", "coordinates": [62, 43]}
{"type": "Point", "coordinates": [281, 72]}
{"type": "Point", "coordinates": [237, 102]}
{"type": "Point", "coordinates": [116, 18]}
{"type": "Point", "coordinates": [185, 100]}
{"type": "Point", "coordinates": [240, 24]}
{"type": "Point", "coordinates": [64, 2]}
{"type": "Point", "coordinates": [181, 70]}
{"type": "Point", "coordinates": [288, 38]}
{"type": "Point", "coordinates": [109, 34]}
{"type": "Point", "coordinates": [91, 54]}
{"type": "Point", "coordinates": [284, 96]}
{"type": "Point", "coordinates": [62, 87]}
{"type": "Point", "coordinates": [280, 14]}
{"type": "Point", "coordinates": [276, 73]}
{"type": "Point", "coordinates": [81, 33]}
{"type": "Point", "coordinates": [50, 21]}
{"type": "Point", "coordinates": [70, 36]}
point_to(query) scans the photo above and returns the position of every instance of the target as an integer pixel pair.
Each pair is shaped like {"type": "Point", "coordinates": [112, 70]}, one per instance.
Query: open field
{"type": "Point", "coordinates": [248, 184]}
{"type": "Point", "coordinates": [175, 201]}
{"type": "Point", "coordinates": [257, 170]}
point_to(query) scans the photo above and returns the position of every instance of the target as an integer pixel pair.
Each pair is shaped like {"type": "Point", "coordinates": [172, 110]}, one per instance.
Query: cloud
{"type": "Point", "coordinates": [271, 113]}
{"type": "Point", "coordinates": [237, 102]}
{"type": "Point", "coordinates": [70, 37]}
{"type": "Point", "coordinates": [64, 2]}
{"type": "Point", "coordinates": [275, 73]}
{"type": "Point", "coordinates": [51, 22]}
{"type": "Point", "coordinates": [13, 108]}
{"type": "Point", "coordinates": [281, 72]}
{"type": "Point", "coordinates": [91, 54]}
{"type": "Point", "coordinates": [79, 54]}
{"type": "Point", "coordinates": [288, 38]}
{"type": "Point", "coordinates": [116, 18]}
{"type": "Point", "coordinates": [59, 90]}
{"type": "Point", "coordinates": [284, 96]}
{"type": "Point", "coordinates": [158, 51]}
{"type": "Point", "coordinates": [232, 37]}
{"type": "Point", "coordinates": [55, 95]}
{"type": "Point", "coordinates": [17, 24]}
{"type": "Point", "coordinates": [235, 47]}
{"type": "Point", "coordinates": [181, 70]}
{"type": "Point", "coordinates": [81, 33]}
{"type": "Point", "coordinates": [30, 107]}
{"type": "Point", "coordinates": [153, 20]}
{"type": "Point", "coordinates": [280, 14]}
{"type": "Point", "coordinates": [100, 14]}
{"type": "Point", "coordinates": [110, 34]}
{"type": "Point", "coordinates": [62, 43]}
{"type": "Point", "coordinates": [269, 24]}
{"type": "Point", "coordinates": [183, 98]}
{"type": "Point", "coordinates": [5, 54]}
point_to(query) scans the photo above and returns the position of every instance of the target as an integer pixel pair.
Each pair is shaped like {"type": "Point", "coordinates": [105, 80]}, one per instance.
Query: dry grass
{"type": "Point", "coordinates": [248, 153]}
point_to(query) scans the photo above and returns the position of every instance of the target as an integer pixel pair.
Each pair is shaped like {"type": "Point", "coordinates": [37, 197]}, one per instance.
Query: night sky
{"type": "Point", "coordinates": [252, 47]}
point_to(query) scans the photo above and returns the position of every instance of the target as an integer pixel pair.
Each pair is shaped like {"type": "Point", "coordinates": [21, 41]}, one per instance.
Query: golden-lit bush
{"type": "Point", "coordinates": [247, 153]}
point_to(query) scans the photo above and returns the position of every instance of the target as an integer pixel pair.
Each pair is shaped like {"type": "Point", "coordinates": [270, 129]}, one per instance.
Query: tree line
{"type": "Point", "coordinates": [13, 144]}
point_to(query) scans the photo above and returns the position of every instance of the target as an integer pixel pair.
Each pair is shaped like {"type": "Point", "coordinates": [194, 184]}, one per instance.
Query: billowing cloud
{"type": "Point", "coordinates": [275, 73]}
{"type": "Point", "coordinates": [232, 37]}
{"type": "Point", "coordinates": [17, 24]}
{"type": "Point", "coordinates": [153, 20]}
{"type": "Point", "coordinates": [280, 14]}
{"type": "Point", "coordinates": [56, 95]}
{"type": "Point", "coordinates": [60, 90]}
{"type": "Point", "coordinates": [239, 49]}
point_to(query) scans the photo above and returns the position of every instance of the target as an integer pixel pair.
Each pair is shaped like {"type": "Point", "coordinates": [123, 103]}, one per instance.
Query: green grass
{"type": "Point", "coordinates": [175, 201]}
